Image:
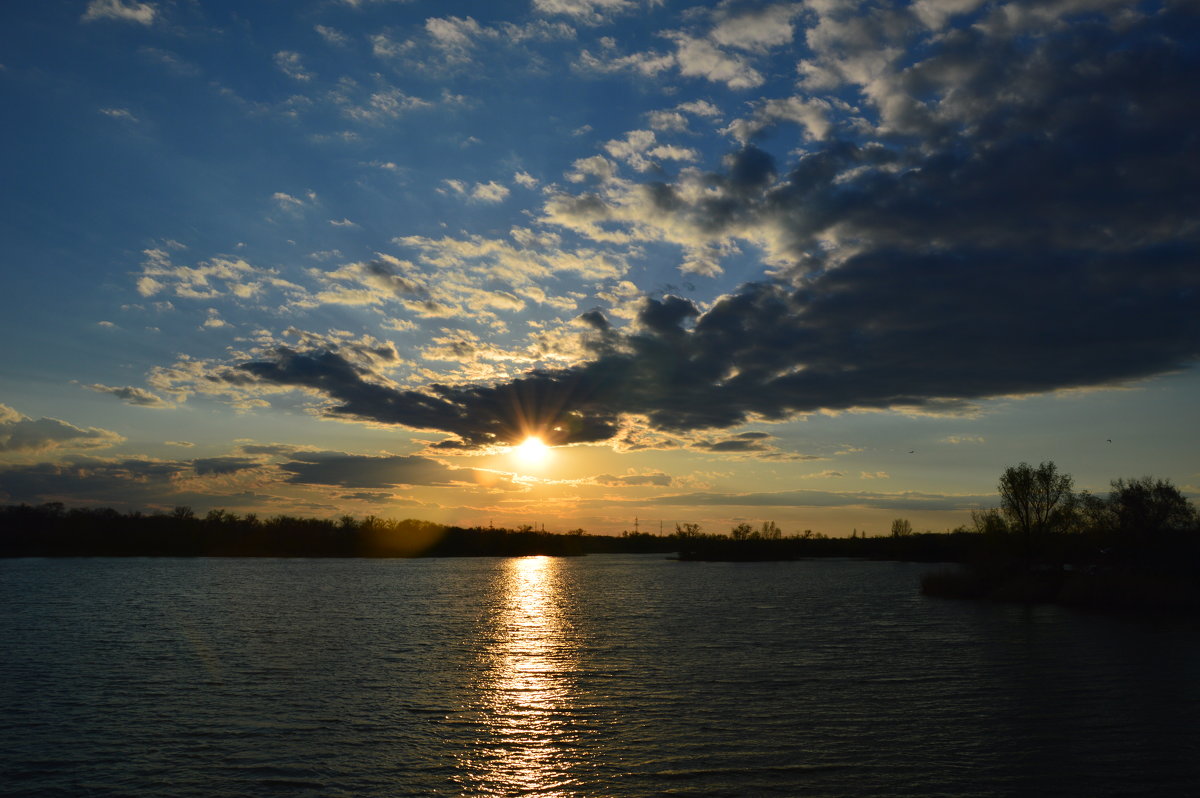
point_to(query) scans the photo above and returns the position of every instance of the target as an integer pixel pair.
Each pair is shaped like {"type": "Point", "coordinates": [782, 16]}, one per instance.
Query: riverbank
{"type": "Point", "coordinates": [1125, 588]}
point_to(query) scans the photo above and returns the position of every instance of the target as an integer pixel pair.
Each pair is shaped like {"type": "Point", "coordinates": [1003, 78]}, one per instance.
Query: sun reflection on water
{"type": "Point", "coordinates": [525, 687]}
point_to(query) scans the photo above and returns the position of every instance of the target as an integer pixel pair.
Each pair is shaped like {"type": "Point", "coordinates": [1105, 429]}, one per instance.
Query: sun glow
{"type": "Point", "coordinates": [531, 452]}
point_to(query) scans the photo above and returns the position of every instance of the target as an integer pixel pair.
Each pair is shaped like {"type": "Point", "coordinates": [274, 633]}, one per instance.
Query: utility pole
{"type": "Point", "coordinates": [635, 525]}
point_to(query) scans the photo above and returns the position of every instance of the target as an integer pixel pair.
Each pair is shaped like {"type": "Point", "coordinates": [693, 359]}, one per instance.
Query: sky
{"type": "Point", "coordinates": [824, 263]}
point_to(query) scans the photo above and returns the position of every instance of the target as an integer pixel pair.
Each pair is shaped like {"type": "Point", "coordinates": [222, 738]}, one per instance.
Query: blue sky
{"type": "Point", "coordinates": [826, 263]}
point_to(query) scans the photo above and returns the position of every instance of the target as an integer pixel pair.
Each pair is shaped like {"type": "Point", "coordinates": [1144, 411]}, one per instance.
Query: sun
{"type": "Point", "coordinates": [531, 452]}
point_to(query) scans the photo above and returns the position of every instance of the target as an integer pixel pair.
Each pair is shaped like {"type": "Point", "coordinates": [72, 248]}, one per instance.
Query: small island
{"type": "Point", "coordinates": [1137, 548]}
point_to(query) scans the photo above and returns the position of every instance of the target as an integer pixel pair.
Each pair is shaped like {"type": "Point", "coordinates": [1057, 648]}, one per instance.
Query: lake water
{"type": "Point", "coordinates": [607, 675]}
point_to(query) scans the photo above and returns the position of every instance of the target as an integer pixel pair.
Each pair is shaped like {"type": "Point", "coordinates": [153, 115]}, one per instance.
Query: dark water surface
{"type": "Point", "coordinates": [605, 675]}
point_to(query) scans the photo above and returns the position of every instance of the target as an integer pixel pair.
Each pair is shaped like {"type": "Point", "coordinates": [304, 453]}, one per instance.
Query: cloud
{"type": "Point", "coordinates": [771, 351]}
{"type": "Point", "coordinates": [172, 61]}
{"type": "Point", "coordinates": [110, 481]}
{"type": "Point", "coordinates": [363, 471]}
{"type": "Point", "coordinates": [635, 480]}
{"type": "Point", "coordinates": [288, 202]}
{"type": "Point", "coordinates": [906, 501]}
{"type": "Point", "coordinates": [119, 113]}
{"type": "Point", "coordinates": [491, 192]}
{"type": "Point", "coordinates": [131, 395]}
{"type": "Point", "coordinates": [640, 149]}
{"type": "Point", "coordinates": [454, 36]}
{"type": "Point", "coordinates": [701, 58]}
{"type": "Point", "coordinates": [810, 113]}
{"type": "Point", "coordinates": [20, 433]}
{"type": "Point", "coordinates": [1006, 211]}
{"type": "Point", "coordinates": [270, 449]}
{"type": "Point", "coordinates": [386, 278]}
{"type": "Point", "coordinates": [756, 29]}
{"type": "Point", "coordinates": [291, 64]}
{"type": "Point", "coordinates": [706, 54]}
{"type": "Point", "coordinates": [332, 35]}
{"type": "Point", "coordinates": [223, 465]}
{"type": "Point", "coordinates": [218, 276]}
{"type": "Point", "coordinates": [120, 10]}
{"type": "Point", "coordinates": [592, 12]}
{"type": "Point", "coordinates": [380, 106]}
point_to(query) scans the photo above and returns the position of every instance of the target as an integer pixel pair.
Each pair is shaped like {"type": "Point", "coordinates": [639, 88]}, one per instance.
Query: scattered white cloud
{"type": "Point", "coordinates": [525, 180]}
{"type": "Point", "coordinates": [590, 12]}
{"type": "Point", "coordinates": [757, 30]}
{"type": "Point", "coordinates": [596, 166]}
{"type": "Point", "coordinates": [332, 35]}
{"type": "Point", "coordinates": [380, 106]}
{"type": "Point", "coordinates": [120, 10]}
{"type": "Point", "coordinates": [288, 202]}
{"type": "Point", "coordinates": [699, 108]}
{"type": "Point", "coordinates": [119, 113]}
{"type": "Point", "coordinates": [214, 320]}
{"type": "Point", "coordinates": [291, 64]}
{"type": "Point", "coordinates": [703, 59]}
{"type": "Point", "coordinates": [668, 121]}
{"type": "Point", "coordinates": [490, 192]}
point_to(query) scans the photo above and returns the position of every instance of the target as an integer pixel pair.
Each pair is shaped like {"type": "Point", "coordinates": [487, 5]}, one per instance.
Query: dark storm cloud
{"type": "Point", "coordinates": [271, 449]}
{"type": "Point", "coordinates": [742, 442]}
{"type": "Point", "coordinates": [478, 415]}
{"type": "Point", "coordinates": [223, 465]}
{"type": "Point", "coordinates": [361, 471]}
{"type": "Point", "coordinates": [131, 395]}
{"type": "Point", "coordinates": [20, 433]}
{"type": "Point", "coordinates": [1025, 222]}
{"type": "Point", "coordinates": [627, 480]}
{"type": "Point", "coordinates": [86, 478]}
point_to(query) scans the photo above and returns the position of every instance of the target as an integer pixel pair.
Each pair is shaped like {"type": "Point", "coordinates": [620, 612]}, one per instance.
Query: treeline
{"type": "Point", "coordinates": [1136, 547]}
{"type": "Point", "coordinates": [745, 543]}
{"type": "Point", "coordinates": [51, 530]}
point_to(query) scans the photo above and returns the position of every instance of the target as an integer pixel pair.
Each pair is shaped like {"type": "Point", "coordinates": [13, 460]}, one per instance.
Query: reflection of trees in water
{"type": "Point", "coordinates": [526, 743]}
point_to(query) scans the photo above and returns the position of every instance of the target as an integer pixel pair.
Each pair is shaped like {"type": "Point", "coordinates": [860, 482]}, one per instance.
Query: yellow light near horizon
{"type": "Point", "coordinates": [531, 452]}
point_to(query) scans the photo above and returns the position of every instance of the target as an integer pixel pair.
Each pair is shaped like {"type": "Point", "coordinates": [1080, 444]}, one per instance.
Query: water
{"type": "Point", "coordinates": [599, 676]}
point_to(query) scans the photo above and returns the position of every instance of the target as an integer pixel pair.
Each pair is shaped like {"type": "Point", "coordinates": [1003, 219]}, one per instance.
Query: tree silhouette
{"type": "Point", "coordinates": [1145, 511]}
{"type": "Point", "coordinates": [1034, 499]}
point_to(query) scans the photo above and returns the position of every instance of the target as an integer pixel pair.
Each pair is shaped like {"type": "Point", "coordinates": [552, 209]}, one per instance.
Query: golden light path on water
{"type": "Point", "coordinates": [526, 684]}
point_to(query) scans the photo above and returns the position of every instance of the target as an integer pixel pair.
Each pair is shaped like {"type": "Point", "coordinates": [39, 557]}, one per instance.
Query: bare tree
{"type": "Point", "coordinates": [988, 522]}
{"type": "Point", "coordinates": [901, 528]}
